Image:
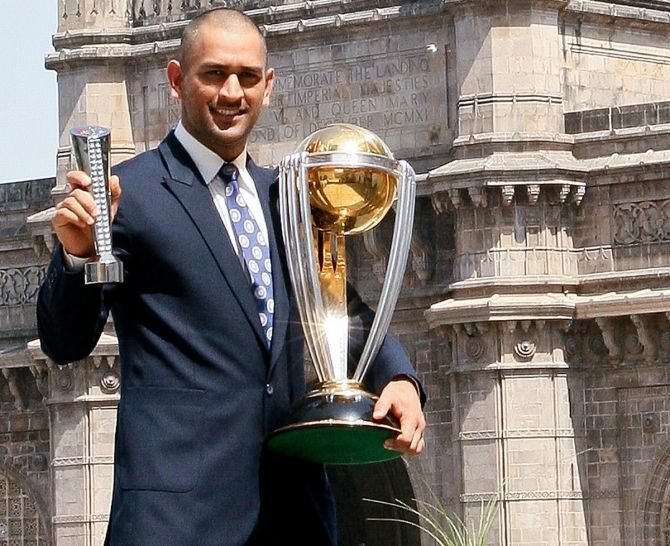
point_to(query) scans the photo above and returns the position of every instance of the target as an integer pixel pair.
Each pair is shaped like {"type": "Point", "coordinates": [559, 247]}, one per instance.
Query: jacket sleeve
{"type": "Point", "coordinates": [70, 314]}
{"type": "Point", "coordinates": [391, 361]}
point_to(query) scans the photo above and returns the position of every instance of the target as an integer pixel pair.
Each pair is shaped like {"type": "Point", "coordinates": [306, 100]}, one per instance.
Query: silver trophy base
{"type": "Point", "coordinates": [98, 272]}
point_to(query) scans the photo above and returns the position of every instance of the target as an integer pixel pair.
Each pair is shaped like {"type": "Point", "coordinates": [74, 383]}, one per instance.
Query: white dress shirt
{"type": "Point", "coordinates": [208, 164]}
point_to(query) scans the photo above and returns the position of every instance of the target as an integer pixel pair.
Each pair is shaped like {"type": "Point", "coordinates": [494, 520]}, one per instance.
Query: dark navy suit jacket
{"type": "Point", "coordinates": [200, 390]}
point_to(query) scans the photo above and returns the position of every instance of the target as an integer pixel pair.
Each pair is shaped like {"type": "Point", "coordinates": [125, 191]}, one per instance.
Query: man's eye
{"type": "Point", "coordinates": [248, 78]}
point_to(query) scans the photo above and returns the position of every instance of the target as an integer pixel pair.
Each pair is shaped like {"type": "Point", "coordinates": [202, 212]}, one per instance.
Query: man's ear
{"type": "Point", "coordinates": [176, 78]}
{"type": "Point", "coordinates": [269, 82]}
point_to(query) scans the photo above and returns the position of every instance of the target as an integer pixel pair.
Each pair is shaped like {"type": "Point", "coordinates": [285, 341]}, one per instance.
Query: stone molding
{"type": "Point", "coordinates": [81, 461]}
{"type": "Point", "coordinates": [162, 37]}
{"type": "Point", "coordinates": [623, 54]}
{"type": "Point", "coordinates": [478, 435]}
{"type": "Point", "coordinates": [643, 10]}
{"type": "Point", "coordinates": [79, 518]}
{"type": "Point", "coordinates": [508, 308]}
{"type": "Point", "coordinates": [513, 309]}
{"type": "Point", "coordinates": [484, 99]}
{"type": "Point", "coordinates": [154, 27]}
{"type": "Point", "coordinates": [522, 496]}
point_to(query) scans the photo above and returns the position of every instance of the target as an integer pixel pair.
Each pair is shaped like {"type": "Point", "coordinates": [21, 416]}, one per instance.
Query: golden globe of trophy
{"type": "Point", "coordinates": [341, 181]}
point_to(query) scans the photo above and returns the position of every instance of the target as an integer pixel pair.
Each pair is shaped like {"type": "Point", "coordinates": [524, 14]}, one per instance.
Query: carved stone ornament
{"type": "Point", "coordinates": [525, 349]}
{"type": "Point", "coordinates": [63, 379]}
{"type": "Point", "coordinates": [474, 347]}
{"type": "Point", "coordinates": [507, 195]}
{"type": "Point", "coordinates": [423, 257]}
{"type": "Point", "coordinates": [633, 345]}
{"type": "Point", "coordinates": [378, 245]}
{"type": "Point", "coordinates": [642, 222]}
{"type": "Point", "coordinates": [19, 286]}
{"type": "Point", "coordinates": [13, 382]}
{"type": "Point", "coordinates": [597, 345]}
{"type": "Point", "coordinates": [665, 340]}
{"type": "Point", "coordinates": [571, 346]}
{"type": "Point", "coordinates": [110, 382]}
{"type": "Point", "coordinates": [611, 336]}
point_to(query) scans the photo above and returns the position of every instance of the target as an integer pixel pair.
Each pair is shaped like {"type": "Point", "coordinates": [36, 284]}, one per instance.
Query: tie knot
{"type": "Point", "coordinates": [229, 173]}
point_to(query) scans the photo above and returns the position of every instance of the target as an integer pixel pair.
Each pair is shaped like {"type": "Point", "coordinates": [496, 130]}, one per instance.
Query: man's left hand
{"type": "Point", "coordinates": [401, 399]}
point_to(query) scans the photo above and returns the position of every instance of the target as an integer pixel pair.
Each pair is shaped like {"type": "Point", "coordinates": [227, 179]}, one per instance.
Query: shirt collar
{"type": "Point", "coordinates": [206, 161]}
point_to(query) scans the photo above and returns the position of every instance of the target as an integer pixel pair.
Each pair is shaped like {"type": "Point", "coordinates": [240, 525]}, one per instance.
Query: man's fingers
{"type": "Point", "coordinates": [65, 216]}
{"type": "Point", "coordinates": [81, 205]}
{"type": "Point", "coordinates": [401, 399]}
{"type": "Point", "coordinates": [382, 408]}
{"type": "Point", "coordinates": [417, 438]}
{"type": "Point", "coordinates": [114, 187]}
{"type": "Point", "coordinates": [78, 179]}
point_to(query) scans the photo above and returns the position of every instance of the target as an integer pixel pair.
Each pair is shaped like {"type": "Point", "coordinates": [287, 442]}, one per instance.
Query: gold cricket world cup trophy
{"type": "Point", "coordinates": [341, 181]}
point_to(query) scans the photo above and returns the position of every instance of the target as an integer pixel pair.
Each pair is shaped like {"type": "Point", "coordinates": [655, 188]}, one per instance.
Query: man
{"type": "Point", "coordinates": [209, 368]}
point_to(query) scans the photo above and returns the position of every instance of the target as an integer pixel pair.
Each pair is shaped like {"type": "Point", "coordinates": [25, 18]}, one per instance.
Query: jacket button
{"type": "Point", "coordinates": [269, 389]}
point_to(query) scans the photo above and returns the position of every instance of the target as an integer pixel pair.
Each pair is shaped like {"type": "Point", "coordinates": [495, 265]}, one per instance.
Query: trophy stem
{"type": "Point", "coordinates": [331, 262]}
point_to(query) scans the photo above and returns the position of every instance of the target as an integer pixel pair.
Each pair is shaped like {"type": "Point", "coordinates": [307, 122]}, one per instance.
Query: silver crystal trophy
{"type": "Point", "coordinates": [91, 147]}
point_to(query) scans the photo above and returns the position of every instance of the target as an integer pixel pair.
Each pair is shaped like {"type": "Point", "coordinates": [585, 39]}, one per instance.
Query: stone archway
{"type": "Point", "coordinates": [20, 522]}
{"type": "Point", "coordinates": [665, 520]}
{"type": "Point", "coordinates": [383, 481]}
{"type": "Point", "coordinates": [655, 506]}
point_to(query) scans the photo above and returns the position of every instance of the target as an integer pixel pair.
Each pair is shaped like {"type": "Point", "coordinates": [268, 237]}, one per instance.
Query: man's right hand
{"type": "Point", "coordinates": [76, 214]}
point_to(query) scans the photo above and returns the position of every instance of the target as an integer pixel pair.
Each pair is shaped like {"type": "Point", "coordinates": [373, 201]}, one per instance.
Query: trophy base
{"type": "Point", "coordinates": [97, 271]}
{"type": "Point", "coordinates": [333, 425]}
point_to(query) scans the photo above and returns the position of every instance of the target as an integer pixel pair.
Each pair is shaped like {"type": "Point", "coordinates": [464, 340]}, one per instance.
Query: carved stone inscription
{"type": "Point", "coordinates": [387, 93]}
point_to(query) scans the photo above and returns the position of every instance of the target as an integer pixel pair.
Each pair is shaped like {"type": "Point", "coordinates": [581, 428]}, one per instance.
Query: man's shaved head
{"type": "Point", "coordinates": [223, 19]}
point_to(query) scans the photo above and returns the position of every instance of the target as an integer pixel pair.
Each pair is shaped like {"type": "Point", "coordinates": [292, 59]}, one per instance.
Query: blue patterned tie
{"type": "Point", "coordinates": [254, 247]}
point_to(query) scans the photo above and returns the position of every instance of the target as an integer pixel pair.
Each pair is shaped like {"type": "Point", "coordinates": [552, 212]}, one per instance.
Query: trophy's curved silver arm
{"type": "Point", "coordinates": [402, 236]}
{"type": "Point", "coordinates": [299, 241]}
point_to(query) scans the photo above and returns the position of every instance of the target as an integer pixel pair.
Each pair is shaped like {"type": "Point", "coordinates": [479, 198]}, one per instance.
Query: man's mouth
{"type": "Point", "coordinates": [227, 112]}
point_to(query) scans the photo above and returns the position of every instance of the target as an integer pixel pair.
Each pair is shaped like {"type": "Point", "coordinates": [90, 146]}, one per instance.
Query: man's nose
{"type": "Point", "coordinates": [231, 88]}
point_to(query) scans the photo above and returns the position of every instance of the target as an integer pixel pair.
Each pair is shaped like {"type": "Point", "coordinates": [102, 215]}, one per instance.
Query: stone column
{"type": "Point", "coordinates": [82, 399]}
{"type": "Point", "coordinates": [513, 189]}
{"type": "Point", "coordinates": [509, 66]}
{"type": "Point", "coordinates": [517, 427]}
{"type": "Point", "coordinates": [91, 53]}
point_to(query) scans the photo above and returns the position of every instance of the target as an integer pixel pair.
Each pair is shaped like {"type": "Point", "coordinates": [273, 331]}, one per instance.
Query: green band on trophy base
{"type": "Point", "coordinates": [335, 443]}
{"type": "Point", "coordinates": [333, 425]}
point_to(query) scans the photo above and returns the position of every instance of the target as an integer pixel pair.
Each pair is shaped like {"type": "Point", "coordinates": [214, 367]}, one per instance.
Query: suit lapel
{"type": "Point", "coordinates": [185, 183]}
{"type": "Point", "coordinates": [267, 194]}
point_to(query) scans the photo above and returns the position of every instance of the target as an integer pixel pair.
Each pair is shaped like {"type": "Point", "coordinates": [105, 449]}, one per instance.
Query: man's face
{"type": "Point", "coordinates": [223, 84]}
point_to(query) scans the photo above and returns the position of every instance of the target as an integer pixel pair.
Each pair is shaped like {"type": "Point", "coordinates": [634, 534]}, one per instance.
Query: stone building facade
{"type": "Point", "coordinates": [536, 304]}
